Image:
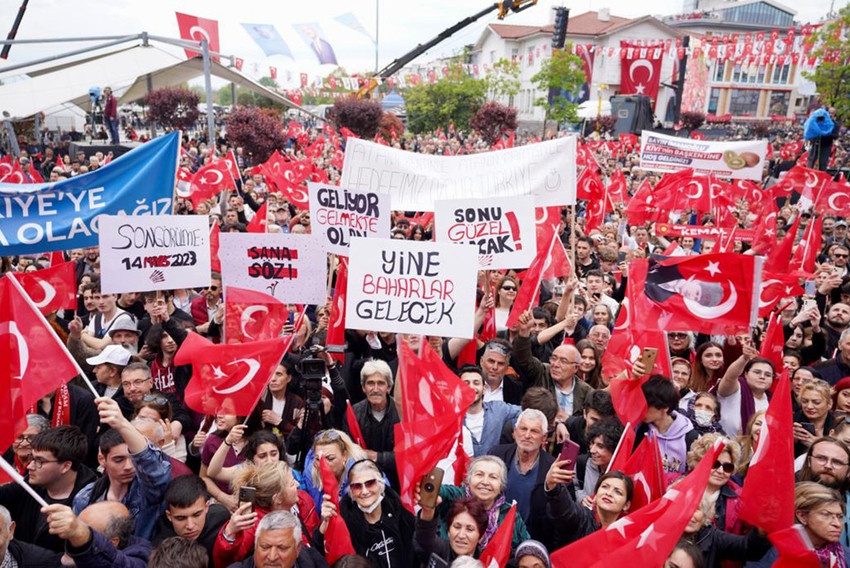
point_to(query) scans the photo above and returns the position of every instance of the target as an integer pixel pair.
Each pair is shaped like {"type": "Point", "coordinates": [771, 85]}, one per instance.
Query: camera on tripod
{"type": "Point", "coordinates": [312, 370]}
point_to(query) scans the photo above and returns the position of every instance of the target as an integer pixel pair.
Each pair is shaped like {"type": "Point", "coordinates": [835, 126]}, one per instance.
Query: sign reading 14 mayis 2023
{"type": "Point", "coordinates": [45, 217]}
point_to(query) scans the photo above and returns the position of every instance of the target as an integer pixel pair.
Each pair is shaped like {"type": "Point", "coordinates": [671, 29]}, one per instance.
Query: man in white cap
{"type": "Point", "coordinates": [107, 368]}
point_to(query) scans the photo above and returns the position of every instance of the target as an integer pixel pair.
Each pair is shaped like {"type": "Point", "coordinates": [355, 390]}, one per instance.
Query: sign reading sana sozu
{"type": "Point", "coordinates": [338, 214]}
{"type": "Point", "coordinates": [412, 287]}
{"type": "Point", "coordinates": [292, 268]}
{"type": "Point", "coordinates": [503, 229]}
{"type": "Point", "coordinates": [546, 170]}
{"type": "Point", "coordinates": [153, 252]}
{"type": "Point", "coordinates": [735, 159]}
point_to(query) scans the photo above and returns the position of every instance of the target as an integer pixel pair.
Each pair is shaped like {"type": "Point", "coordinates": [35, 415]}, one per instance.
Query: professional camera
{"type": "Point", "coordinates": [312, 370]}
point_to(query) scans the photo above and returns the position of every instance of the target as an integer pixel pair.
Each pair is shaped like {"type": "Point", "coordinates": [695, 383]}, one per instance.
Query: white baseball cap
{"type": "Point", "coordinates": [114, 354]}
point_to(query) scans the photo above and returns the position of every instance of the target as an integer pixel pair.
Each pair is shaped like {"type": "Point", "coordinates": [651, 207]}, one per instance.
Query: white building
{"type": "Point", "coordinates": [600, 29]}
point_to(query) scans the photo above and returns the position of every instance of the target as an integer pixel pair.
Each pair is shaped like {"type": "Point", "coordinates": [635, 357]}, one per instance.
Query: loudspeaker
{"type": "Point", "coordinates": [633, 114]}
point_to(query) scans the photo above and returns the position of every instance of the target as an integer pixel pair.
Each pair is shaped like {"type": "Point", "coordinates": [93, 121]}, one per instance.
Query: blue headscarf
{"type": "Point", "coordinates": [815, 128]}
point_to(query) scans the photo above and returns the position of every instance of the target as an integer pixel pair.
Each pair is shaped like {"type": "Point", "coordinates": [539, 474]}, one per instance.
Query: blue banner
{"type": "Point", "coordinates": [268, 38]}
{"type": "Point", "coordinates": [46, 217]}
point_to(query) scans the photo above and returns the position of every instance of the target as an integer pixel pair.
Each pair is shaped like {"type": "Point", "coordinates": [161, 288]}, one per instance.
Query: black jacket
{"type": "Point", "coordinates": [30, 524]}
{"type": "Point", "coordinates": [571, 521]}
{"type": "Point", "coordinates": [717, 545]}
{"type": "Point", "coordinates": [31, 556]}
{"type": "Point", "coordinates": [217, 516]}
{"type": "Point", "coordinates": [82, 414]}
{"type": "Point", "coordinates": [538, 527]}
{"type": "Point", "coordinates": [378, 436]}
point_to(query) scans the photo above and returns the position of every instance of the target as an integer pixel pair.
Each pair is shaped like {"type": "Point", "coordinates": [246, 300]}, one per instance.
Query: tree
{"type": "Point", "coordinates": [248, 97]}
{"type": "Point", "coordinates": [452, 99]}
{"type": "Point", "coordinates": [492, 120]}
{"type": "Point", "coordinates": [361, 116]}
{"type": "Point", "coordinates": [174, 108]}
{"type": "Point", "coordinates": [390, 123]}
{"type": "Point", "coordinates": [832, 75]}
{"type": "Point", "coordinates": [258, 131]}
{"type": "Point", "coordinates": [503, 80]}
{"type": "Point", "coordinates": [559, 74]}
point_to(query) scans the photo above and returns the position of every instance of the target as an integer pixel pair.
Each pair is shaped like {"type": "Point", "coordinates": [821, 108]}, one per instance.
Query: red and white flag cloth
{"type": "Point", "coordinates": [194, 28]}
{"type": "Point", "coordinates": [209, 181]}
{"type": "Point", "coordinates": [530, 288]}
{"type": "Point", "coordinates": [498, 551]}
{"type": "Point", "coordinates": [51, 289]}
{"type": "Point", "coordinates": [337, 537]}
{"type": "Point", "coordinates": [336, 324]}
{"type": "Point", "coordinates": [640, 70]}
{"type": "Point", "coordinates": [250, 315]}
{"type": "Point", "coordinates": [776, 287]}
{"type": "Point", "coordinates": [215, 233]}
{"type": "Point", "coordinates": [647, 472]}
{"type": "Point", "coordinates": [260, 221]}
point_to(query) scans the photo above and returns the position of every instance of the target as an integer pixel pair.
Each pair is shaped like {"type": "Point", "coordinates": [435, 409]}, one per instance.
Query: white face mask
{"type": "Point", "coordinates": [703, 417]}
{"type": "Point", "coordinates": [373, 506]}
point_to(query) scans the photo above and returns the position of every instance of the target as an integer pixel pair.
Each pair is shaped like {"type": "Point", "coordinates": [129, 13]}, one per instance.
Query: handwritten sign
{"type": "Point", "coordinates": [415, 181]}
{"type": "Point", "coordinates": [737, 160]}
{"type": "Point", "coordinates": [292, 268]}
{"type": "Point", "coordinates": [412, 287]}
{"type": "Point", "coordinates": [153, 252]}
{"type": "Point", "coordinates": [503, 229]}
{"type": "Point", "coordinates": [338, 214]}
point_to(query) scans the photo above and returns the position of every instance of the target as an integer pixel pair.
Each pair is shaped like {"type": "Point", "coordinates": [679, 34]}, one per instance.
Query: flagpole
{"type": "Point", "coordinates": [13, 473]}
{"type": "Point", "coordinates": [330, 273]}
{"type": "Point", "coordinates": [572, 235]}
{"type": "Point", "coordinates": [619, 443]}
{"type": "Point", "coordinates": [55, 337]}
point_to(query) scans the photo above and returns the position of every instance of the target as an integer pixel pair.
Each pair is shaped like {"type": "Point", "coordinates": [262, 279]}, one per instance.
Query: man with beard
{"type": "Point", "coordinates": [495, 363]}
{"type": "Point", "coordinates": [838, 367]}
{"type": "Point", "coordinates": [484, 419]}
{"type": "Point", "coordinates": [828, 463]}
{"type": "Point", "coordinates": [837, 320]}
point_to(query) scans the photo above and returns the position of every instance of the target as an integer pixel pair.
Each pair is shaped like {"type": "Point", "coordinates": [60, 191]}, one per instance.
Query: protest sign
{"type": "Point", "coordinates": [45, 217]}
{"type": "Point", "coordinates": [737, 160]}
{"type": "Point", "coordinates": [503, 229]}
{"type": "Point", "coordinates": [292, 268]}
{"type": "Point", "coordinates": [337, 214]}
{"type": "Point", "coordinates": [412, 287]}
{"type": "Point", "coordinates": [703, 232]}
{"type": "Point", "coordinates": [415, 181]}
{"type": "Point", "coordinates": [153, 252]}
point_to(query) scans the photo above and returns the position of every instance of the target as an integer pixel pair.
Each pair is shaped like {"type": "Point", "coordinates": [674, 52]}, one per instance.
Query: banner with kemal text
{"type": "Point", "coordinates": [45, 217]}
{"type": "Point", "coordinates": [546, 170]}
{"type": "Point", "coordinates": [742, 159]}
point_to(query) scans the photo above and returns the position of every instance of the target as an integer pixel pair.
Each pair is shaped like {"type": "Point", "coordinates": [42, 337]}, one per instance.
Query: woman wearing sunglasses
{"type": "Point", "coordinates": [506, 293]}
{"type": "Point", "coordinates": [380, 527]}
{"type": "Point", "coordinates": [340, 453]}
{"type": "Point", "coordinates": [724, 493]}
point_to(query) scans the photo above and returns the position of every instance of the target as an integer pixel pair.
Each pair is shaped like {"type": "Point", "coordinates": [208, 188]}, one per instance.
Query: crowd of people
{"type": "Point", "coordinates": [133, 477]}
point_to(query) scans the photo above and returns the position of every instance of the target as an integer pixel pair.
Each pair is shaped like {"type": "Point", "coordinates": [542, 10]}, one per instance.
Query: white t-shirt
{"type": "Point", "coordinates": [730, 412]}
{"type": "Point", "coordinates": [106, 325]}
{"type": "Point", "coordinates": [475, 423]}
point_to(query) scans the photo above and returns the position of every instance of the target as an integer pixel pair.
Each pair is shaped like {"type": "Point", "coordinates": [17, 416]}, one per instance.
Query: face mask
{"type": "Point", "coordinates": [703, 417]}
{"type": "Point", "coordinates": [371, 507]}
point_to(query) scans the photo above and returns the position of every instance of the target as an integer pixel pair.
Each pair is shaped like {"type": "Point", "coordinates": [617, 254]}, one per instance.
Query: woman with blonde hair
{"type": "Point", "coordinates": [748, 441]}
{"type": "Point", "coordinates": [722, 494]}
{"type": "Point", "coordinates": [814, 418]}
{"type": "Point", "coordinates": [340, 453]}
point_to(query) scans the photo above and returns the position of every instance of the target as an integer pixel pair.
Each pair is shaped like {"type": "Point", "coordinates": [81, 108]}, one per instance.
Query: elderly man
{"type": "Point", "coordinates": [484, 419]}
{"type": "Point", "coordinates": [828, 462]}
{"type": "Point", "coordinates": [16, 553]}
{"type": "Point", "coordinates": [376, 414]}
{"type": "Point", "coordinates": [527, 467]}
{"type": "Point", "coordinates": [838, 367]}
{"type": "Point", "coordinates": [559, 375]}
{"type": "Point", "coordinates": [599, 335]}
{"type": "Point", "coordinates": [102, 535]}
{"type": "Point", "coordinates": [278, 544]}
{"type": "Point", "coordinates": [495, 363]}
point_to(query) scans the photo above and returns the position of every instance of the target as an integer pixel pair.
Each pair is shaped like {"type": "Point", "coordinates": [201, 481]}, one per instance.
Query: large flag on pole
{"type": "Point", "coordinates": [315, 39]}
{"type": "Point", "coordinates": [194, 28]}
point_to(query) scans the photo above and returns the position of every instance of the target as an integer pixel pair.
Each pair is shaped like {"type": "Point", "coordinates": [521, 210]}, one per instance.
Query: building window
{"type": "Point", "coordinates": [761, 74]}
{"type": "Point", "coordinates": [743, 102]}
{"type": "Point", "coordinates": [780, 74]}
{"type": "Point", "coordinates": [736, 73]}
{"type": "Point", "coordinates": [492, 56]}
{"type": "Point", "coordinates": [514, 54]}
{"type": "Point", "coordinates": [720, 71]}
{"type": "Point", "coordinates": [779, 103]}
{"type": "Point", "coordinates": [713, 99]}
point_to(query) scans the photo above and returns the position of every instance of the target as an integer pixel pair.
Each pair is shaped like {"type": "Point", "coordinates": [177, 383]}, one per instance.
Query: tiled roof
{"type": "Point", "coordinates": [587, 24]}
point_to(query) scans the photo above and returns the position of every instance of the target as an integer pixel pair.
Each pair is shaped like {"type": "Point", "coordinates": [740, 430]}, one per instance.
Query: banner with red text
{"type": "Point", "coordinates": [737, 160]}
{"type": "Point", "coordinates": [338, 214]}
{"type": "Point", "coordinates": [703, 232]}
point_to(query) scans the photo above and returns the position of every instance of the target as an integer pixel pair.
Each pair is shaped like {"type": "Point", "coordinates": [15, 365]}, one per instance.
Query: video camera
{"type": "Point", "coordinates": [312, 370]}
{"type": "Point", "coordinates": [95, 94]}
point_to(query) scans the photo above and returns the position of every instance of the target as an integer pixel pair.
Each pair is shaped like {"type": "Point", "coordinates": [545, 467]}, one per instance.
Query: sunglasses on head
{"type": "Point", "coordinates": [727, 467]}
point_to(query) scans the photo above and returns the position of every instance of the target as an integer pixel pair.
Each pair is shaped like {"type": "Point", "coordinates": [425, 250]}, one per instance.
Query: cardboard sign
{"type": "Point", "coordinates": [737, 160]}
{"type": "Point", "coordinates": [292, 268]}
{"type": "Point", "coordinates": [412, 287]}
{"type": "Point", "coordinates": [338, 214]}
{"type": "Point", "coordinates": [161, 252]}
{"type": "Point", "coordinates": [546, 170]}
{"type": "Point", "coordinates": [503, 229]}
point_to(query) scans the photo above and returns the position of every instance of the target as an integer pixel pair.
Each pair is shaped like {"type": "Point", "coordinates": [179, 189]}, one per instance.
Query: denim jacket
{"type": "Point", "coordinates": [496, 413]}
{"type": "Point", "coordinates": [145, 497]}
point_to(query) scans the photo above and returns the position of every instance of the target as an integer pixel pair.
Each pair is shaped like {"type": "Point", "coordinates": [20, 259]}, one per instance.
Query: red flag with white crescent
{"type": "Point", "coordinates": [776, 287]}
{"type": "Point", "coordinates": [209, 181]}
{"type": "Point", "coordinates": [250, 315]}
{"type": "Point", "coordinates": [194, 28]}
{"type": "Point", "coordinates": [336, 325]}
{"type": "Point", "coordinates": [260, 221]}
{"type": "Point", "coordinates": [51, 289]}
{"type": "Point", "coordinates": [640, 71]}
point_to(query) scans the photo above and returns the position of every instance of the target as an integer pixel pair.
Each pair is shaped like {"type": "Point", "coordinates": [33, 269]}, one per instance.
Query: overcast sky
{"type": "Point", "coordinates": [403, 24]}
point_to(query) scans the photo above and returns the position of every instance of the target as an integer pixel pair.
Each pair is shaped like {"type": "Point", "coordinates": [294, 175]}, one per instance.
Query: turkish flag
{"type": "Point", "coordinates": [429, 388]}
{"type": "Point", "coordinates": [774, 288]}
{"type": "Point", "coordinates": [640, 73]}
{"type": "Point", "coordinates": [228, 379]}
{"type": "Point", "coordinates": [498, 551]}
{"type": "Point", "coordinates": [647, 536]}
{"type": "Point", "coordinates": [260, 221]}
{"type": "Point", "coordinates": [641, 205]}
{"type": "Point", "coordinates": [712, 293]}
{"type": "Point", "coordinates": [773, 342]}
{"type": "Point", "coordinates": [353, 425]}
{"type": "Point", "coordinates": [287, 177]}
{"type": "Point", "coordinates": [595, 213]}
{"type": "Point", "coordinates": [336, 324]}
{"type": "Point", "coordinates": [15, 175]}
{"type": "Point", "coordinates": [623, 451]}
{"type": "Point", "coordinates": [250, 315]}
{"type": "Point", "coordinates": [647, 472]}
{"type": "Point", "coordinates": [765, 231]}
{"type": "Point", "coordinates": [772, 465]}
{"type": "Point", "coordinates": [33, 360]}
{"type": "Point", "coordinates": [56, 257]}
{"type": "Point", "coordinates": [548, 221]}
{"type": "Point", "coordinates": [626, 345]}
{"type": "Point", "coordinates": [617, 189]}
{"type": "Point", "coordinates": [183, 183]}
{"type": "Point", "coordinates": [779, 258]}
{"type": "Point", "coordinates": [215, 233]}
{"type": "Point", "coordinates": [239, 62]}
{"type": "Point", "coordinates": [627, 396]}
{"type": "Point", "coordinates": [6, 166]}
{"type": "Point", "coordinates": [835, 198]}
{"type": "Point", "coordinates": [209, 181]}
{"type": "Point", "coordinates": [337, 537]}
{"type": "Point", "coordinates": [795, 548]}
{"type": "Point", "coordinates": [589, 185]}
{"type": "Point", "coordinates": [527, 296]}
{"type": "Point", "coordinates": [806, 253]}
{"type": "Point", "coordinates": [194, 28]}
{"type": "Point", "coordinates": [53, 288]}
{"type": "Point", "coordinates": [232, 164]}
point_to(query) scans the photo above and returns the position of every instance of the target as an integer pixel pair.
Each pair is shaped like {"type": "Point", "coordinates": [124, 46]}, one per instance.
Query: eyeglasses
{"type": "Point", "coordinates": [563, 360]}
{"type": "Point", "coordinates": [509, 288]}
{"type": "Point", "coordinates": [156, 399]}
{"type": "Point", "coordinates": [825, 460]}
{"type": "Point", "coordinates": [38, 462]}
{"type": "Point", "coordinates": [369, 484]}
{"type": "Point", "coordinates": [677, 335]}
{"type": "Point", "coordinates": [135, 384]}
{"type": "Point", "coordinates": [827, 516]}
{"type": "Point", "coordinates": [728, 467]}
{"type": "Point", "coordinates": [24, 439]}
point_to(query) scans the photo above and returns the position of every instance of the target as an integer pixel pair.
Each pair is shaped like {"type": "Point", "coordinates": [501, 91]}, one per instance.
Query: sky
{"type": "Point", "coordinates": [402, 25]}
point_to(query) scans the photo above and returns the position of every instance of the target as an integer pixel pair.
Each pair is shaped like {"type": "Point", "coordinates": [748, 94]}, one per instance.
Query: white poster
{"type": "Point", "coordinates": [157, 252]}
{"type": "Point", "coordinates": [292, 268]}
{"type": "Point", "coordinates": [736, 160]}
{"type": "Point", "coordinates": [338, 214]}
{"type": "Point", "coordinates": [415, 181]}
{"type": "Point", "coordinates": [503, 229]}
{"type": "Point", "coordinates": [416, 287]}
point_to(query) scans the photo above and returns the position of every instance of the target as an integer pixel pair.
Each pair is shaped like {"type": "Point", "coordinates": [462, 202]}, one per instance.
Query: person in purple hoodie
{"type": "Point", "coordinates": [664, 421]}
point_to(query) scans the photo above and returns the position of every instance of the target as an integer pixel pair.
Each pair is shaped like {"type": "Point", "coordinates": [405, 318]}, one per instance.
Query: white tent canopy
{"type": "Point", "coordinates": [50, 86]}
